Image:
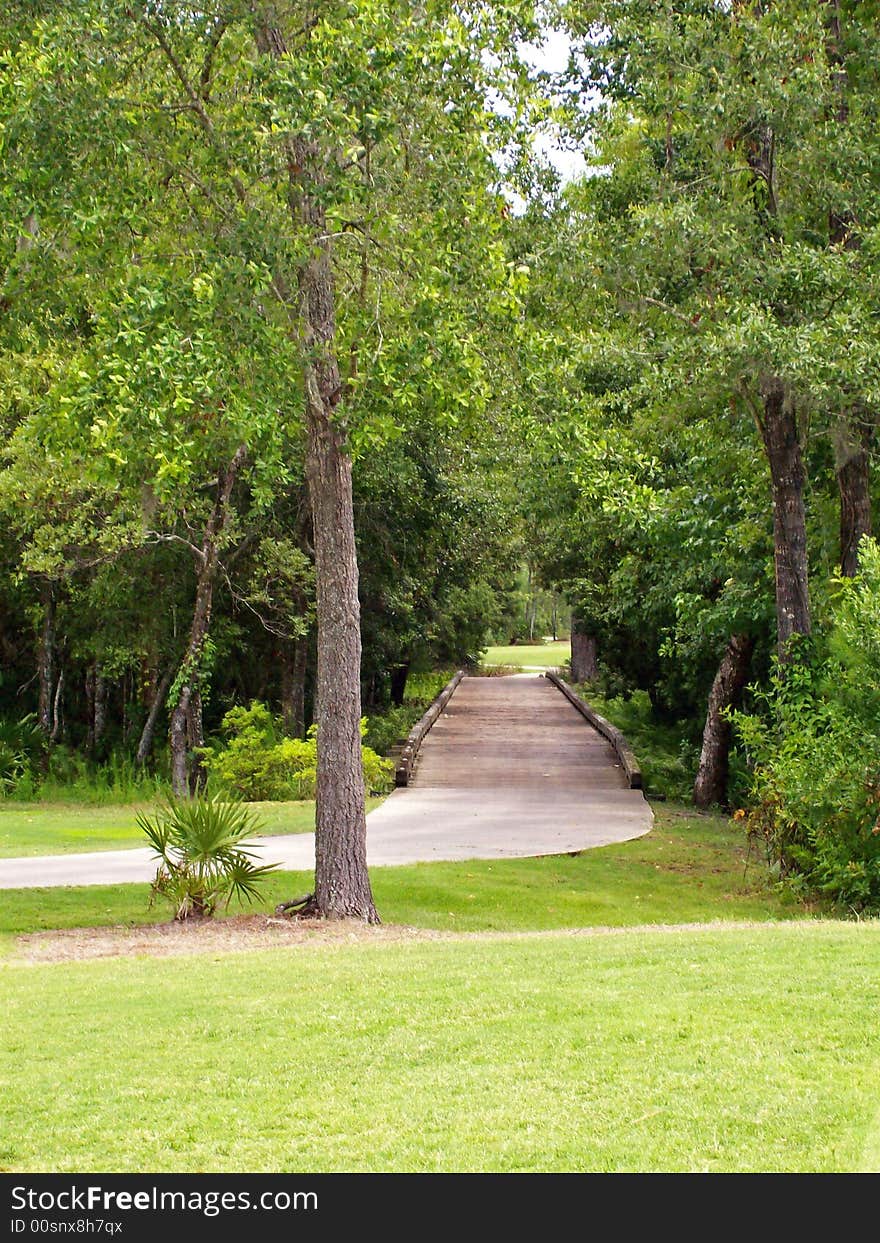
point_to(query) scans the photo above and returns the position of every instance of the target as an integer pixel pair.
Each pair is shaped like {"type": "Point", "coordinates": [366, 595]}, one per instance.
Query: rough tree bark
{"type": "Point", "coordinates": [711, 783]}
{"type": "Point", "coordinates": [342, 883]}
{"type": "Point", "coordinates": [783, 449]}
{"type": "Point", "coordinates": [584, 660]}
{"type": "Point", "coordinates": [195, 739]}
{"type": "Point", "coordinates": [182, 714]}
{"type": "Point", "coordinates": [148, 733]}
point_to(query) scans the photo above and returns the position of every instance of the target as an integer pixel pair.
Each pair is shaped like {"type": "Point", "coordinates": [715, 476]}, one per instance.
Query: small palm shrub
{"type": "Point", "coordinates": [257, 762]}
{"type": "Point", "coordinates": [203, 862]}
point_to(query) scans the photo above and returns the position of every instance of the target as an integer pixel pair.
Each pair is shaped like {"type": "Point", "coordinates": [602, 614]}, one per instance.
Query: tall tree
{"type": "Point", "coordinates": [283, 165]}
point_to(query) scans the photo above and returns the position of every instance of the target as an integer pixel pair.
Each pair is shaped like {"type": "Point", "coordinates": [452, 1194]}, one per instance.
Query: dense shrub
{"type": "Point", "coordinates": [387, 728]}
{"type": "Point", "coordinates": [257, 762]}
{"type": "Point", "coordinates": [668, 753]}
{"type": "Point", "coordinates": [21, 744]}
{"type": "Point", "coordinates": [815, 752]}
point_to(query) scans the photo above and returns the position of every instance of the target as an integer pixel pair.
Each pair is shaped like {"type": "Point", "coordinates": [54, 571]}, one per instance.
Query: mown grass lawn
{"type": "Point", "coordinates": [743, 1049]}
{"type": "Point", "coordinates": [689, 868]}
{"type": "Point", "coordinates": [528, 655]}
{"type": "Point", "coordinates": [61, 828]}
{"type": "Point", "coordinates": [747, 1047]}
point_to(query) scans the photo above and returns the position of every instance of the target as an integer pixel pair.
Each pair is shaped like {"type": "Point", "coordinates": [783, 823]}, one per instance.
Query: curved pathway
{"type": "Point", "coordinates": [509, 770]}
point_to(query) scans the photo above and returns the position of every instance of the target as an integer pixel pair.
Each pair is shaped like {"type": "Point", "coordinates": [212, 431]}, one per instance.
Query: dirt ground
{"type": "Point", "coordinates": [220, 936]}
{"type": "Point", "coordinates": [253, 932]}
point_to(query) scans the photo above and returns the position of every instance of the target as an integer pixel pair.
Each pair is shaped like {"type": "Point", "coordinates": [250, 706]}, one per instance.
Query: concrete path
{"type": "Point", "coordinates": [509, 770]}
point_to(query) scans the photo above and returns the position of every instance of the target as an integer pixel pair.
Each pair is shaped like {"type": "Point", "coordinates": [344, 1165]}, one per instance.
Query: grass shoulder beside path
{"type": "Point", "coordinates": [528, 655]}
{"type": "Point", "coordinates": [689, 868]}
{"type": "Point", "coordinates": [69, 828]}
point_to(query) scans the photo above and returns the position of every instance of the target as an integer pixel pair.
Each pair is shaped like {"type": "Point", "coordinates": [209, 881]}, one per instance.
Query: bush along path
{"type": "Point", "coordinates": [509, 770]}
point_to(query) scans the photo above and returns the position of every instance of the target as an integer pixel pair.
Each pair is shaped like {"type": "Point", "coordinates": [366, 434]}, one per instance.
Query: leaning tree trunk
{"type": "Point", "coordinates": [783, 449]}
{"type": "Point", "coordinates": [584, 662]}
{"type": "Point", "coordinates": [711, 783]}
{"type": "Point", "coordinates": [187, 710]}
{"type": "Point", "coordinates": [148, 733]}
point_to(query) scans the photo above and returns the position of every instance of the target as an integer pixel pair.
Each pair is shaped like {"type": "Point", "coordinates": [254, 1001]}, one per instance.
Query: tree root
{"type": "Point", "coordinates": [307, 908]}
{"type": "Point", "coordinates": [299, 908]}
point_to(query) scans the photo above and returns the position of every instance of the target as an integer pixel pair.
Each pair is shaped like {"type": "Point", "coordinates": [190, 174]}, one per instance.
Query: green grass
{"type": "Point", "coordinates": [58, 828]}
{"type": "Point", "coordinates": [528, 655]}
{"type": "Point", "coordinates": [689, 868]}
{"type": "Point", "coordinates": [741, 1049]}
{"type": "Point", "coordinates": [737, 1048]}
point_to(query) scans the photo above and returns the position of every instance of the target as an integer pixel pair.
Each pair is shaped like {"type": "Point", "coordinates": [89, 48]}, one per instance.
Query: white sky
{"type": "Point", "coordinates": [552, 56]}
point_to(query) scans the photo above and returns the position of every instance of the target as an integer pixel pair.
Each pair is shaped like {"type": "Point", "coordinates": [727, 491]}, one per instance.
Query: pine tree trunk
{"type": "Point", "coordinates": [711, 783]}
{"type": "Point", "coordinates": [342, 883]}
{"type": "Point", "coordinates": [46, 661]}
{"type": "Point", "coordinates": [185, 723]}
{"type": "Point", "coordinates": [584, 661]}
{"type": "Point", "coordinates": [145, 745]}
{"type": "Point", "coordinates": [783, 450]}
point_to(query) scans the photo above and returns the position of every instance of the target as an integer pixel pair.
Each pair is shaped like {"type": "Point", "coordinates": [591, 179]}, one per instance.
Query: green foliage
{"type": "Point", "coordinates": [258, 763]}
{"type": "Point", "coordinates": [668, 752]}
{"type": "Point", "coordinates": [21, 745]}
{"type": "Point", "coordinates": [203, 862]}
{"type": "Point", "coordinates": [386, 729]}
{"type": "Point", "coordinates": [814, 746]}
